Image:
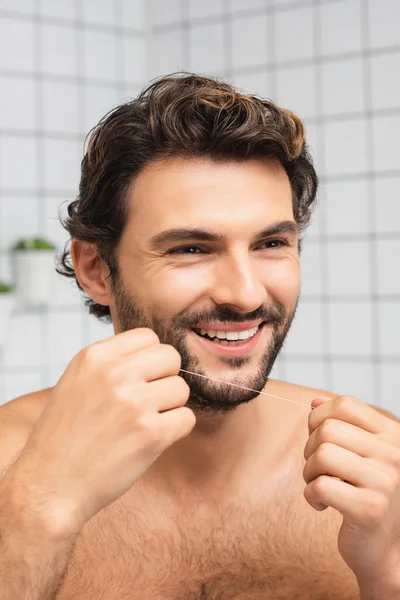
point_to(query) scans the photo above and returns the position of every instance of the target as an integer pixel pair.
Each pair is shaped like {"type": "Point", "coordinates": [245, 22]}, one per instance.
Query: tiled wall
{"type": "Point", "coordinates": [335, 62]}
{"type": "Point", "coordinates": [63, 64]}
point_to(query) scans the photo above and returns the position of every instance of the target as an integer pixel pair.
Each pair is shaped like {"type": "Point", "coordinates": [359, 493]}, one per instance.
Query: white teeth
{"type": "Point", "coordinates": [230, 335]}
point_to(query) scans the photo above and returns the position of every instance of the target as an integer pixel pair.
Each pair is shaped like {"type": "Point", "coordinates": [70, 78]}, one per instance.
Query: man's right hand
{"type": "Point", "coordinates": [119, 404]}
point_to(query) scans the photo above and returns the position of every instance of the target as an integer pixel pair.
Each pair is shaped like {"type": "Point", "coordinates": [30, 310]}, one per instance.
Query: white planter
{"type": "Point", "coordinates": [7, 302]}
{"type": "Point", "coordinates": [33, 276]}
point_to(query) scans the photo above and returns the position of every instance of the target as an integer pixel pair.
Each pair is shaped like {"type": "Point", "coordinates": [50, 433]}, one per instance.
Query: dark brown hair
{"type": "Point", "coordinates": [180, 114]}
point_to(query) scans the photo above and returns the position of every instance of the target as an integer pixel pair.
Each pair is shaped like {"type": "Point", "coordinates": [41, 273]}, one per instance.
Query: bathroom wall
{"type": "Point", "coordinates": [63, 65]}
{"type": "Point", "coordinates": [335, 62]}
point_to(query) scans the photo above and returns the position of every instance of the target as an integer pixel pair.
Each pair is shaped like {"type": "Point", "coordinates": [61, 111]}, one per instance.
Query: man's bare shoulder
{"type": "Point", "coordinates": [295, 392]}
{"type": "Point", "coordinates": [17, 418]}
{"type": "Point", "coordinates": [306, 395]}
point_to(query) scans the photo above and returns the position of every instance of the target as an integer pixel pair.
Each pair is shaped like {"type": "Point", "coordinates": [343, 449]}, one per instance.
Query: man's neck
{"type": "Point", "coordinates": [222, 449]}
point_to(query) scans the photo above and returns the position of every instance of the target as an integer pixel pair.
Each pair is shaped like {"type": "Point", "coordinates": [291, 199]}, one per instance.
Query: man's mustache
{"type": "Point", "coordinates": [273, 314]}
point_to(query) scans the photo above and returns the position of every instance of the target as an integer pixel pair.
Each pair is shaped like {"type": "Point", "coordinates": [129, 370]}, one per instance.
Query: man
{"type": "Point", "coordinates": [132, 478]}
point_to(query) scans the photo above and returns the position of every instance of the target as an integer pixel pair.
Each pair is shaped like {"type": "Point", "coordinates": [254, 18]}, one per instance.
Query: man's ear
{"type": "Point", "coordinates": [91, 271]}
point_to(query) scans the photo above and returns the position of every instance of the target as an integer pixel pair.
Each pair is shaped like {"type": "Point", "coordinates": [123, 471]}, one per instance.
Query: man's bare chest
{"type": "Point", "coordinates": [249, 552]}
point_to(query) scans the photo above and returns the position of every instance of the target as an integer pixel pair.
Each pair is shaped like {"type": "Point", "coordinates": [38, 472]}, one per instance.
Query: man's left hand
{"type": "Point", "coordinates": [353, 465]}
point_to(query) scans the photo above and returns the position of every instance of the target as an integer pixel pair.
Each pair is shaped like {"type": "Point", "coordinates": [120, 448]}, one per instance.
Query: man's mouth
{"type": "Point", "coordinates": [229, 338]}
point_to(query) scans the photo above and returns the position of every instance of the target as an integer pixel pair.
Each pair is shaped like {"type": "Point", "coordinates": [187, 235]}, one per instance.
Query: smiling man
{"type": "Point", "coordinates": [143, 473]}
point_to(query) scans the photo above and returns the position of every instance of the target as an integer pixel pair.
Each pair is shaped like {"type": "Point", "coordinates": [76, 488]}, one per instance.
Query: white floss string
{"type": "Point", "coordinates": [246, 388]}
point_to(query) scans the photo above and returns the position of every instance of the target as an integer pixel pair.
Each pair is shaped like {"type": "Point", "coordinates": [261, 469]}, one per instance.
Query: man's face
{"type": "Point", "coordinates": [209, 260]}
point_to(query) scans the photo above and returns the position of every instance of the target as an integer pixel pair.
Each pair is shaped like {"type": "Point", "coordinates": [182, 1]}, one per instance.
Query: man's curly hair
{"type": "Point", "coordinates": [180, 114]}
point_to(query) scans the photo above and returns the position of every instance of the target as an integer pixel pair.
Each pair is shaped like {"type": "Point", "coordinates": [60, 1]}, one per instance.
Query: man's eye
{"type": "Point", "coordinates": [274, 243]}
{"type": "Point", "coordinates": [186, 250]}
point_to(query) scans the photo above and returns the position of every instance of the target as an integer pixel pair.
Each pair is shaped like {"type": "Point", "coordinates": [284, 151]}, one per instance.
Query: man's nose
{"type": "Point", "coordinates": [237, 283]}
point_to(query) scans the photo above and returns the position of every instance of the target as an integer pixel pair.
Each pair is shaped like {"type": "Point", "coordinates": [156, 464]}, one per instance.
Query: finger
{"type": "Point", "coordinates": [156, 362]}
{"type": "Point", "coordinates": [351, 410]}
{"type": "Point", "coordinates": [167, 393]}
{"type": "Point", "coordinates": [359, 506]}
{"type": "Point", "coordinates": [352, 438]}
{"type": "Point", "coordinates": [335, 461]}
{"type": "Point", "coordinates": [125, 343]}
{"type": "Point", "coordinates": [176, 424]}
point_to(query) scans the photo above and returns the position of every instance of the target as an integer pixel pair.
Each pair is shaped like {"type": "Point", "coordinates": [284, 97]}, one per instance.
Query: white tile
{"type": "Point", "coordinates": [249, 41]}
{"type": "Point", "coordinates": [64, 336]}
{"type": "Point", "coordinates": [26, 7]}
{"type": "Point", "coordinates": [19, 218]}
{"type": "Point", "coordinates": [388, 255]}
{"type": "Point", "coordinates": [389, 328]}
{"type": "Point", "coordinates": [205, 8]}
{"type": "Point", "coordinates": [62, 164]}
{"type": "Point", "coordinates": [294, 32]}
{"type": "Point", "coordinates": [351, 329]}
{"type": "Point", "coordinates": [207, 48]}
{"type": "Point", "coordinates": [384, 19]}
{"type": "Point", "coordinates": [296, 90]}
{"type": "Point", "coordinates": [353, 379]}
{"type": "Point", "coordinates": [284, 3]}
{"type": "Point", "coordinates": [386, 148]}
{"type": "Point", "coordinates": [98, 330]}
{"type": "Point", "coordinates": [16, 45]}
{"type": "Point", "coordinates": [257, 84]}
{"type": "Point", "coordinates": [347, 207]}
{"type": "Point", "coordinates": [387, 204]}
{"type": "Point", "coordinates": [341, 26]}
{"type": "Point", "coordinates": [306, 335]}
{"type": "Point", "coordinates": [307, 373]}
{"type": "Point", "coordinates": [390, 383]}
{"type": "Point", "coordinates": [165, 11]}
{"type": "Point", "coordinates": [97, 102]}
{"type": "Point", "coordinates": [134, 14]}
{"type": "Point", "coordinates": [313, 134]}
{"type": "Point", "coordinates": [385, 85]}
{"type": "Point", "coordinates": [63, 9]}
{"type": "Point", "coordinates": [166, 53]}
{"type": "Point", "coordinates": [60, 106]}
{"type": "Point", "coordinates": [66, 292]}
{"type": "Point", "coordinates": [342, 87]}
{"type": "Point", "coordinates": [17, 384]}
{"type": "Point", "coordinates": [5, 267]}
{"type": "Point", "coordinates": [345, 147]}
{"type": "Point", "coordinates": [17, 103]}
{"type": "Point", "coordinates": [23, 348]}
{"type": "Point", "coordinates": [100, 55]}
{"type": "Point", "coordinates": [134, 59]}
{"type": "Point", "coordinates": [58, 50]}
{"type": "Point", "coordinates": [349, 268]}
{"type": "Point", "coordinates": [53, 207]}
{"type": "Point", "coordinates": [18, 164]}
{"type": "Point", "coordinates": [236, 5]}
{"type": "Point", "coordinates": [102, 12]}
{"type": "Point", "coordinates": [311, 269]}
{"type": "Point", "coordinates": [318, 217]}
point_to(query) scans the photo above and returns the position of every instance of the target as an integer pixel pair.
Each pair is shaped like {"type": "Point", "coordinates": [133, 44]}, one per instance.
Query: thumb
{"type": "Point", "coordinates": [320, 400]}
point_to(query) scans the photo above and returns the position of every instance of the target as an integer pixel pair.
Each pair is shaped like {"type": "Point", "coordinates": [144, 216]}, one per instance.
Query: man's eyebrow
{"type": "Point", "coordinates": [184, 235]}
{"type": "Point", "coordinates": [189, 235]}
{"type": "Point", "coordinates": [279, 228]}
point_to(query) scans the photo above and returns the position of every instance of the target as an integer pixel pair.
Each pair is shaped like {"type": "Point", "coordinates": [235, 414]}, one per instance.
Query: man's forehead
{"type": "Point", "coordinates": [180, 188]}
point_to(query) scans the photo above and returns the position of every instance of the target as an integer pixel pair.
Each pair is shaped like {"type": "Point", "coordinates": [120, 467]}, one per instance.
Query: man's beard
{"type": "Point", "coordinates": [206, 395]}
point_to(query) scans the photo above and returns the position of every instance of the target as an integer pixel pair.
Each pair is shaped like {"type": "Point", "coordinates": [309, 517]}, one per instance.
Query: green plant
{"type": "Point", "coordinates": [35, 243]}
{"type": "Point", "coordinates": [6, 288]}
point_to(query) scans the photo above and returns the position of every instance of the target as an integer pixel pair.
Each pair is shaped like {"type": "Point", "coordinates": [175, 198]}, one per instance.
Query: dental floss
{"type": "Point", "coordinates": [246, 388]}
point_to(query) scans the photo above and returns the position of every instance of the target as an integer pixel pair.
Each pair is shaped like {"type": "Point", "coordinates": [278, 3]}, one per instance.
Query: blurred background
{"type": "Point", "coordinates": [65, 63]}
